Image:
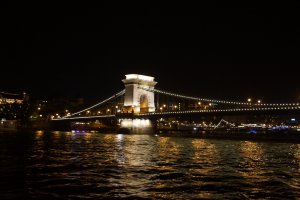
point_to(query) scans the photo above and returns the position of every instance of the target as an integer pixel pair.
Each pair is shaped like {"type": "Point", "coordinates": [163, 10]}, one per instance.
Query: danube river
{"type": "Point", "coordinates": [65, 165]}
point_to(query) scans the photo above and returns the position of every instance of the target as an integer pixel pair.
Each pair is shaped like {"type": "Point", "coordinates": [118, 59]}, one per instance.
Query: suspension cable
{"type": "Point", "coordinates": [217, 101]}
{"type": "Point", "coordinates": [98, 104]}
{"type": "Point", "coordinates": [192, 98]}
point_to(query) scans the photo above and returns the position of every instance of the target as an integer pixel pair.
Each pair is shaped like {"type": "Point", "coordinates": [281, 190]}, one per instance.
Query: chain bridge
{"type": "Point", "coordinates": [140, 99]}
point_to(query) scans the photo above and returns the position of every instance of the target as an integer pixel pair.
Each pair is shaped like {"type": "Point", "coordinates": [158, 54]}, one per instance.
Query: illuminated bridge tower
{"type": "Point", "coordinates": [136, 99]}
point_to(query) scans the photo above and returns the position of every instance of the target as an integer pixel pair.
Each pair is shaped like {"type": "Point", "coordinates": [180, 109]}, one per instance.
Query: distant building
{"type": "Point", "coordinates": [12, 106]}
{"type": "Point", "coordinates": [10, 98]}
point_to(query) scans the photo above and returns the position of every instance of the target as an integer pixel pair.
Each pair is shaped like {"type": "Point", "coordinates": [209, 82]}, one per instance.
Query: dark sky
{"type": "Point", "coordinates": [218, 51]}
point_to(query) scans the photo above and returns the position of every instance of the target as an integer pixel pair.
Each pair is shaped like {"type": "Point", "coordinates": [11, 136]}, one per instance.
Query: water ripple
{"type": "Point", "coordinates": [63, 165]}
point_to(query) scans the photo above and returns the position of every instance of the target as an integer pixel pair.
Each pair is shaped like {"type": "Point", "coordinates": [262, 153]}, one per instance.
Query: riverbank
{"type": "Point", "coordinates": [278, 136]}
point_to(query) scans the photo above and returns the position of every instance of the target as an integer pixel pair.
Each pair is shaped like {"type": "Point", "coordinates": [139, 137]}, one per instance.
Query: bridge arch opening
{"type": "Point", "coordinates": [144, 104]}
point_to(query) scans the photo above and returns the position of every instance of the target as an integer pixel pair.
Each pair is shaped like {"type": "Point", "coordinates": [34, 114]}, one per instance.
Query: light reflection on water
{"type": "Point", "coordinates": [60, 165]}
{"type": "Point", "coordinates": [252, 159]}
{"type": "Point", "coordinates": [137, 125]}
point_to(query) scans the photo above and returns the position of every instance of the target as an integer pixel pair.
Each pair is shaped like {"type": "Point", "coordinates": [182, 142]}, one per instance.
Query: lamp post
{"type": "Point", "coordinates": [249, 100]}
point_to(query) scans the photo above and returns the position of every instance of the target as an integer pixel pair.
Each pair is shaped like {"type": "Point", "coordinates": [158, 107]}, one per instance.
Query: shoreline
{"type": "Point", "coordinates": [279, 137]}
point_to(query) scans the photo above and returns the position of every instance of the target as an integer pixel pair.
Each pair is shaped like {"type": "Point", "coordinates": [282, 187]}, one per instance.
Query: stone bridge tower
{"type": "Point", "coordinates": [139, 100]}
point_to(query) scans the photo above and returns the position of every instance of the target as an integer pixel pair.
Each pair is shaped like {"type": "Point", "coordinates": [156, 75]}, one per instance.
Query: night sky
{"type": "Point", "coordinates": [204, 50]}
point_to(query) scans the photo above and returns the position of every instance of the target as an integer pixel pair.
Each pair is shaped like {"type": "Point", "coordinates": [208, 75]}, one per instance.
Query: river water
{"type": "Point", "coordinates": [65, 165]}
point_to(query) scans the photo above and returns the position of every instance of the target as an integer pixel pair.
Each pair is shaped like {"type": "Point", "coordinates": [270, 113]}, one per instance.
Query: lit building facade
{"type": "Point", "coordinates": [9, 98]}
{"type": "Point", "coordinates": [12, 105]}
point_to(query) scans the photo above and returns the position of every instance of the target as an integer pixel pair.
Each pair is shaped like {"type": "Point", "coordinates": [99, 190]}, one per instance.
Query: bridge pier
{"type": "Point", "coordinates": [137, 99]}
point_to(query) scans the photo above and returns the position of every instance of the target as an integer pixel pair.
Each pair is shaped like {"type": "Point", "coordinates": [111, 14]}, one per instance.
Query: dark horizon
{"type": "Point", "coordinates": [212, 52]}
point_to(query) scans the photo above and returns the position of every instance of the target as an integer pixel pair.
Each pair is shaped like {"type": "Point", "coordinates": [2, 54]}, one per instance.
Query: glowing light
{"type": "Point", "coordinates": [89, 117]}
{"type": "Point", "coordinates": [140, 77]}
{"type": "Point", "coordinates": [120, 137]}
{"type": "Point", "coordinates": [139, 123]}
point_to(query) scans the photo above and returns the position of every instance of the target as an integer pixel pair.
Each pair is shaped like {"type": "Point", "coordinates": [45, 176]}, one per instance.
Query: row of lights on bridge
{"type": "Point", "coordinates": [175, 106]}
{"type": "Point", "coordinates": [107, 110]}
{"type": "Point", "coordinates": [223, 110]}
{"type": "Point", "coordinates": [193, 111]}
{"type": "Point", "coordinates": [98, 104]}
{"type": "Point", "coordinates": [259, 102]}
{"type": "Point", "coordinates": [194, 98]}
{"type": "Point", "coordinates": [249, 100]}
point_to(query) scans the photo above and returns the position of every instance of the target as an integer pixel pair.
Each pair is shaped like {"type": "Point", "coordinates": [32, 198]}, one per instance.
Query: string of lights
{"type": "Point", "coordinates": [192, 111]}
{"type": "Point", "coordinates": [98, 104]}
{"type": "Point", "coordinates": [256, 107]}
{"type": "Point", "coordinates": [86, 117]}
{"type": "Point", "coordinates": [218, 101]}
{"type": "Point", "coordinates": [222, 120]}
{"type": "Point", "coordinates": [223, 110]}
